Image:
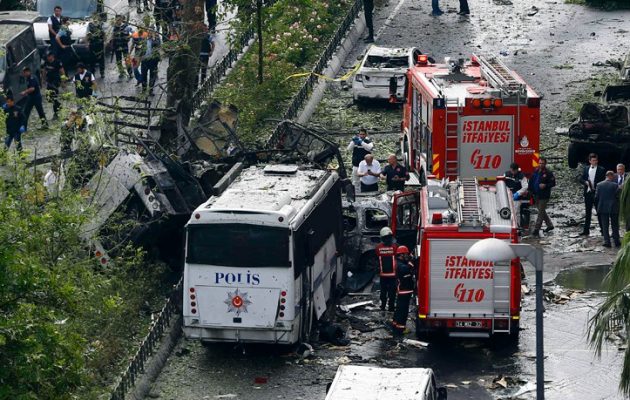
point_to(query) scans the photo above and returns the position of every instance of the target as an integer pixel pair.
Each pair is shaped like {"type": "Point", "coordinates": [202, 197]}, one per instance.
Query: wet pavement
{"type": "Point", "coordinates": [553, 46]}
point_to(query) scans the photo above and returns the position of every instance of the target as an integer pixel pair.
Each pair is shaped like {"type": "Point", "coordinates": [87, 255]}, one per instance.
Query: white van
{"type": "Point", "coordinates": [79, 12]}
{"type": "Point", "coordinates": [359, 382]}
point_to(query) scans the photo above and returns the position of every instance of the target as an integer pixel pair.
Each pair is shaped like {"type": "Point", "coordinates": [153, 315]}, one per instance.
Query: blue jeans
{"type": "Point", "coordinates": [435, 4]}
{"type": "Point", "coordinates": [17, 136]}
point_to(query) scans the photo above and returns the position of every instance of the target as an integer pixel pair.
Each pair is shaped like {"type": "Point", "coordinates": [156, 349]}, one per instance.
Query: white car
{"type": "Point", "coordinates": [378, 66]}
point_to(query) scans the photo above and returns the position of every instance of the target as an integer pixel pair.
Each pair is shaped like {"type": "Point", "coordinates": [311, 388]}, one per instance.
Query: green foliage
{"type": "Point", "coordinates": [65, 321]}
{"type": "Point", "coordinates": [295, 32]}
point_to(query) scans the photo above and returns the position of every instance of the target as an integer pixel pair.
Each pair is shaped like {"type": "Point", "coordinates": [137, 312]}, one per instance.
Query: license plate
{"type": "Point", "coordinates": [468, 324]}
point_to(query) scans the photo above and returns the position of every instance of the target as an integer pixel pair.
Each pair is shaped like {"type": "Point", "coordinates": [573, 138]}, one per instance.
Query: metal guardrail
{"type": "Point", "coordinates": [149, 344]}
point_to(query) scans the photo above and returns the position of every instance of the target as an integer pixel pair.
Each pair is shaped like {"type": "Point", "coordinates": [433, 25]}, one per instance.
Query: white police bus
{"type": "Point", "coordinates": [263, 257]}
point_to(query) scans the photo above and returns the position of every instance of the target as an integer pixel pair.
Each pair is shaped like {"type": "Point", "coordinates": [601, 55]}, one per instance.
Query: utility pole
{"type": "Point", "coordinates": [259, 5]}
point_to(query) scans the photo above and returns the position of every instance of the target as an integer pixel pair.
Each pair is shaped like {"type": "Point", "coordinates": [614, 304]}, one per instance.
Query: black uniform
{"type": "Point", "coordinates": [96, 40]}
{"type": "Point", "coordinates": [66, 55]}
{"type": "Point", "coordinates": [53, 82]}
{"type": "Point", "coordinates": [359, 153]}
{"type": "Point", "coordinates": [34, 99]}
{"type": "Point", "coordinates": [120, 42]}
{"type": "Point", "coordinates": [207, 46]}
{"type": "Point", "coordinates": [149, 65]}
{"type": "Point", "coordinates": [589, 195]}
{"type": "Point", "coordinates": [513, 182]}
{"type": "Point", "coordinates": [387, 272]}
{"type": "Point", "coordinates": [368, 9]}
{"type": "Point", "coordinates": [399, 171]}
{"type": "Point", "coordinates": [404, 273]}
{"type": "Point", "coordinates": [56, 25]}
{"type": "Point", "coordinates": [84, 84]}
{"type": "Point", "coordinates": [15, 126]}
{"type": "Point", "coordinates": [211, 14]}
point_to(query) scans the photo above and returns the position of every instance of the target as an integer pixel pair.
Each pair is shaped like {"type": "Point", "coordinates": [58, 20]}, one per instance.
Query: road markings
{"type": "Point", "coordinates": [391, 17]}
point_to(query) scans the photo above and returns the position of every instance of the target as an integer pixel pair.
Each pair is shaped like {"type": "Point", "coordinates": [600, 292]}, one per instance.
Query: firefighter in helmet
{"type": "Point", "coordinates": [404, 289]}
{"type": "Point", "coordinates": [386, 253]}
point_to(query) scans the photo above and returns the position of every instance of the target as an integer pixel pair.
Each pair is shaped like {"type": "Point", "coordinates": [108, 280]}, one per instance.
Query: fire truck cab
{"type": "Point", "coordinates": [455, 295]}
{"type": "Point", "coordinates": [468, 119]}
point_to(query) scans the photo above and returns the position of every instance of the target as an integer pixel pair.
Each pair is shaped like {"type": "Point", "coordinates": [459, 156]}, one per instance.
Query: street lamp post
{"type": "Point", "coordinates": [496, 250]}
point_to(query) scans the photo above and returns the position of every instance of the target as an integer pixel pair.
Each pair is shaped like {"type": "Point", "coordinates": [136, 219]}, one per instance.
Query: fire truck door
{"type": "Point", "coordinates": [405, 218]}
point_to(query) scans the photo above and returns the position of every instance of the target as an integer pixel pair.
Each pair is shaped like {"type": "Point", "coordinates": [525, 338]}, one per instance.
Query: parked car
{"type": "Point", "coordinates": [378, 67]}
{"type": "Point", "coordinates": [17, 50]}
{"type": "Point", "coordinates": [362, 382]}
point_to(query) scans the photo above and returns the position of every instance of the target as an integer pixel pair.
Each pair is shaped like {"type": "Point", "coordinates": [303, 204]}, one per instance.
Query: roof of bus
{"type": "Point", "coordinates": [268, 188]}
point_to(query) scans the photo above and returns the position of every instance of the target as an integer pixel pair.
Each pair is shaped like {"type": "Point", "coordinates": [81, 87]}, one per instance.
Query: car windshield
{"type": "Point", "coordinates": [70, 8]}
{"type": "Point", "coordinates": [238, 245]}
{"type": "Point", "coordinates": [386, 62]}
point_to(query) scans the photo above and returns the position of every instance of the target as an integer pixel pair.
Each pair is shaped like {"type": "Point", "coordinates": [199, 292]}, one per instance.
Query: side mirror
{"type": "Point", "coordinates": [441, 393]}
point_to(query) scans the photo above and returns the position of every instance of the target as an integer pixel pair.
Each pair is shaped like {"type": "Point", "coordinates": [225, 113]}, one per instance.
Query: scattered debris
{"type": "Point", "coordinates": [333, 333]}
{"type": "Point", "coordinates": [226, 396]}
{"type": "Point", "coordinates": [305, 350]}
{"type": "Point", "coordinates": [533, 11]}
{"type": "Point", "coordinates": [561, 297]}
{"type": "Point", "coordinates": [525, 289]}
{"type": "Point", "coordinates": [415, 343]}
{"type": "Point", "coordinates": [526, 388]}
{"type": "Point", "coordinates": [259, 380]}
{"type": "Point", "coordinates": [504, 382]}
{"type": "Point", "coordinates": [451, 386]}
{"type": "Point", "coordinates": [349, 307]}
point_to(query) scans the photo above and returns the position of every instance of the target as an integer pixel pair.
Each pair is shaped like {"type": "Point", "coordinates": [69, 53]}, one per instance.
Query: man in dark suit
{"type": "Point", "coordinates": [621, 177]}
{"type": "Point", "coordinates": [607, 200]}
{"type": "Point", "coordinates": [540, 187]}
{"type": "Point", "coordinates": [591, 176]}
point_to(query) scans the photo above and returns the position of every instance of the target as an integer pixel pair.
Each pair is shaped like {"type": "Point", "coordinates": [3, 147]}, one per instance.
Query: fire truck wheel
{"type": "Point", "coordinates": [573, 156]}
{"type": "Point", "coordinates": [422, 333]}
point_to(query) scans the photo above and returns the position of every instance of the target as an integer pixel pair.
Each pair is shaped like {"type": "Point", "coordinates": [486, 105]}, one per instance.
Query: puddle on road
{"type": "Point", "coordinates": [586, 278]}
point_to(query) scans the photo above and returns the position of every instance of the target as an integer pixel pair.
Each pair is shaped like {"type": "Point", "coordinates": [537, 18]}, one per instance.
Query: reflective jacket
{"type": "Point", "coordinates": [386, 260]}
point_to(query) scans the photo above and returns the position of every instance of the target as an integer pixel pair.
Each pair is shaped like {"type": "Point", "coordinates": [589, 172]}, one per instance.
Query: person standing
{"type": "Point", "coordinates": [360, 146]}
{"type": "Point", "coordinates": [84, 82]}
{"type": "Point", "coordinates": [369, 172]}
{"type": "Point", "coordinates": [211, 14]}
{"type": "Point", "coordinates": [607, 203]}
{"type": "Point", "coordinates": [150, 59]}
{"type": "Point", "coordinates": [516, 181]}
{"type": "Point", "coordinates": [96, 44]}
{"type": "Point", "coordinates": [121, 33]}
{"type": "Point", "coordinates": [34, 98]}
{"type": "Point", "coordinates": [395, 174]}
{"type": "Point", "coordinates": [463, 7]}
{"type": "Point", "coordinates": [368, 11]}
{"type": "Point", "coordinates": [540, 187]}
{"type": "Point", "coordinates": [404, 289]}
{"type": "Point", "coordinates": [435, 8]}
{"type": "Point", "coordinates": [53, 71]}
{"type": "Point", "coordinates": [386, 253]}
{"type": "Point", "coordinates": [54, 25]}
{"type": "Point", "coordinates": [621, 177]}
{"type": "Point", "coordinates": [14, 123]}
{"type": "Point", "coordinates": [64, 42]}
{"type": "Point", "coordinates": [207, 47]}
{"type": "Point", "coordinates": [591, 176]}
{"type": "Point", "coordinates": [138, 39]}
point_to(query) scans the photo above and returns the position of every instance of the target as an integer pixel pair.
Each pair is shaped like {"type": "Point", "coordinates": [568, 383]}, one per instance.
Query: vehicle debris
{"type": "Point", "coordinates": [349, 307]}
{"type": "Point", "coordinates": [416, 343]}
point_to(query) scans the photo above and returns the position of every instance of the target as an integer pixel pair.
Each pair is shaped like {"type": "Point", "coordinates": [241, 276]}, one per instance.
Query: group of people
{"type": "Point", "coordinates": [367, 172]}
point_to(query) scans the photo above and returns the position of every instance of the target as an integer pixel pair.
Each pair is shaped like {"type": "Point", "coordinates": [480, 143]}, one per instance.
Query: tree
{"type": "Point", "coordinates": [614, 313]}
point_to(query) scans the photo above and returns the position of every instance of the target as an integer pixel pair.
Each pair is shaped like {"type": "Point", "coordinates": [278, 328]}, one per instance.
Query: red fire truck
{"type": "Point", "coordinates": [468, 119]}
{"type": "Point", "coordinates": [458, 296]}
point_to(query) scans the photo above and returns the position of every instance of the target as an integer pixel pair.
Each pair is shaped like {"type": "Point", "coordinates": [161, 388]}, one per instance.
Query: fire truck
{"type": "Point", "coordinates": [468, 119]}
{"type": "Point", "coordinates": [455, 295]}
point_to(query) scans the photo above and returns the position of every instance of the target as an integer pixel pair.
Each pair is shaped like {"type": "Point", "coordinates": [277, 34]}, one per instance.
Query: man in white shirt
{"type": "Point", "coordinates": [591, 176]}
{"type": "Point", "coordinates": [369, 172]}
{"type": "Point", "coordinates": [54, 24]}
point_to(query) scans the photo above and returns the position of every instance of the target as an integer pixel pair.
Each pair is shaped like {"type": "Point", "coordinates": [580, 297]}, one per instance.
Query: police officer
{"type": "Point", "coordinates": [96, 44]}
{"type": "Point", "coordinates": [386, 253]}
{"type": "Point", "coordinates": [15, 123]}
{"type": "Point", "coordinates": [54, 24]}
{"type": "Point", "coordinates": [516, 180]}
{"type": "Point", "coordinates": [34, 98]}
{"type": "Point", "coordinates": [121, 33]}
{"type": "Point", "coordinates": [207, 47]}
{"type": "Point", "coordinates": [53, 71]}
{"type": "Point", "coordinates": [211, 14]}
{"type": "Point", "coordinates": [404, 290]}
{"type": "Point", "coordinates": [64, 42]}
{"type": "Point", "coordinates": [84, 82]}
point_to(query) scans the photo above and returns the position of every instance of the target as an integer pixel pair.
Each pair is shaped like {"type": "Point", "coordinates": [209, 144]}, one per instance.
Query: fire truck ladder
{"type": "Point", "coordinates": [501, 295]}
{"type": "Point", "coordinates": [470, 213]}
{"type": "Point", "coordinates": [499, 75]}
{"type": "Point", "coordinates": [451, 134]}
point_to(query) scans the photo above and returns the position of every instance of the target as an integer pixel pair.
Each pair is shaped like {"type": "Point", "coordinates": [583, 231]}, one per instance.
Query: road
{"type": "Point", "coordinates": [553, 46]}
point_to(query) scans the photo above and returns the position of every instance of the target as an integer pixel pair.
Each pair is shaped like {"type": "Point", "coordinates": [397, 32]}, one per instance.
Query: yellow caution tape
{"type": "Point", "coordinates": [345, 77]}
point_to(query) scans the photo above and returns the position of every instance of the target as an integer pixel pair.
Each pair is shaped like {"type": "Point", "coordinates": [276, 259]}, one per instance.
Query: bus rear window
{"type": "Point", "coordinates": [238, 245]}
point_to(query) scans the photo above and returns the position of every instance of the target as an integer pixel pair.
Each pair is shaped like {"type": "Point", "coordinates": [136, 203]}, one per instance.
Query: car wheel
{"type": "Point", "coordinates": [573, 155]}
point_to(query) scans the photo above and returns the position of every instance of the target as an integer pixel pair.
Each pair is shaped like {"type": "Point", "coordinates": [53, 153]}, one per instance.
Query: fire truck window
{"type": "Point", "coordinates": [407, 217]}
{"type": "Point", "coordinates": [375, 219]}
{"type": "Point", "coordinates": [349, 220]}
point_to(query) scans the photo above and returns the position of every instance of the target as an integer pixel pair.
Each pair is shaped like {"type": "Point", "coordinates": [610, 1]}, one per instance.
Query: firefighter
{"type": "Point", "coordinates": [404, 289]}
{"type": "Point", "coordinates": [516, 180]}
{"type": "Point", "coordinates": [386, 253]}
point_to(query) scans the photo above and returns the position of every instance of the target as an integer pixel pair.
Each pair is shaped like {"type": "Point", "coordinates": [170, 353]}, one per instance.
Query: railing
{"type": "Point", "coordinates": [149, 344]}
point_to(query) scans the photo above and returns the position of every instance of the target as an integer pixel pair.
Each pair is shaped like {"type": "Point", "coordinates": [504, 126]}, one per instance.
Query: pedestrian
{"type": "Point", "coordinates": [64, 42]}
{"type": "Point", "coordinates": [54, 25]}
{"type": "Point", "coordinates": [591, 175]}
{"type": "Point", "coordinates": [149, 61]}
{"type": "Point", "coordinates": [96, 44]}
{"type": "Point", "coordinates": [163, 14]}
{"type": "Point", "coordinates": [360, 145]}
{"type": "Point", "coordinates": [540, 187]}
{"type": "Point", "coordinates": [404, 289]}
{"type": "Point", "coordinates": [463, 8]}
{"type": "Point", "coordinates": [386, 253]}
{"type": "Point", "coordinates": [395, 174]}
{"type": "Point", "coordinates": [121, 33]}
{"type": "Point", "coordinates": [607, 203]}
{"type": "Point", "coordinates": [621, 177]}
{"type": "Point", "coordinates": [84, 82]}
{"type": "Point", "coordinates": [211, 15]}
{"type": "Point", "coordinates": [33, 95]}
{"type": "Point", "coordinates": [517, 182]}
{"type": "Point", "coordinates": [53, 73]}
{"type": "Point", "coordinates": [435, 8]}
{"type": "Point", "coordinates": [207, 48]}
{"type": "Point", "coordinates": [138, 40]}
{"type": "Point", "coordinates": [368, 10]}
{"type": "Point", "coordinates": [369, 172]}
{"type": "Point", "coordinates": [15, 123]}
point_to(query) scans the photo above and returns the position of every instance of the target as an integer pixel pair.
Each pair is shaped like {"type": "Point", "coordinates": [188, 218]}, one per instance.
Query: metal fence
{"type": "Point", "coordinates": [149, 344]}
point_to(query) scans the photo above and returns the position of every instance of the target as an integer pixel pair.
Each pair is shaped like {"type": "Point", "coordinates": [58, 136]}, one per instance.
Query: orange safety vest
{"type": "Point", "coordinates": [386, 260]}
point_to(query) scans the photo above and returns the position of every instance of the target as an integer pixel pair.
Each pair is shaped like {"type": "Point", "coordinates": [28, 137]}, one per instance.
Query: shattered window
{"type": "Point", "coordinates": [349, 220]}
{"type": "Point", "coordinates": [386, 62]}
{"type": "Point", "coordinates": [376, 219]}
